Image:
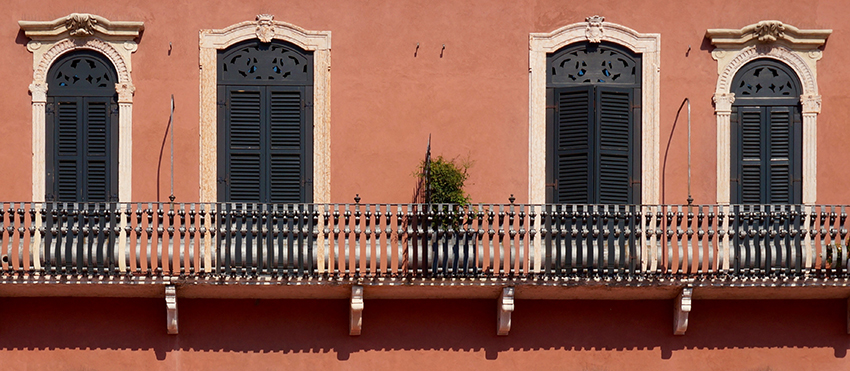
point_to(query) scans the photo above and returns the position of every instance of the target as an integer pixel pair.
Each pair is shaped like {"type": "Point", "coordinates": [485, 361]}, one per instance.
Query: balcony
{"type": "Point", "coordinates": [239, 250]}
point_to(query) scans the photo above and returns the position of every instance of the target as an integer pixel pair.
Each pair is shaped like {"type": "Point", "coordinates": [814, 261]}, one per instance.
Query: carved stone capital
{"type": "Point", "coordinates": [125, 92]}
{"type": "Point", "coordinates": [811, 103]}
{"type": "Point", "coordinates": [39, 92]}
{"type": "Point", "coordinates": [723, 102]}
{"type": "Point", "coordinates": [594, 31]}
{"type": "Point", "coordinates": [769, 31]}
{"type": "Point", "coordinates": [265, 27]}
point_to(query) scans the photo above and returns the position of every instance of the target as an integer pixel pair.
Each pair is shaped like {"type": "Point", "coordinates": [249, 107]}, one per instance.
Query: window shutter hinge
{"type": "Point", "coordinates": [553, 185]}
{"type": "Point", "coordinates": [308, 104]}
{"type": "Point", "coordinates": [49, 110]}
{"type": "Point", "coordinates": [552, 107]}
{"type": "Point", "coordinates": [222, 103]}
{"type": "Point", "coordinates": [222, 180]}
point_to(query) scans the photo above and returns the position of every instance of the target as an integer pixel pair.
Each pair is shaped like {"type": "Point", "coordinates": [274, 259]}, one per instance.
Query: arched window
{"type": "Point", "coordinates": [265, 100]}
{"type": "Point", "coordinates": [766, 127]}
{"type": "Point", "coordinates": [82, 129]}
{"type": "Point", "coordinates": [593, 124]}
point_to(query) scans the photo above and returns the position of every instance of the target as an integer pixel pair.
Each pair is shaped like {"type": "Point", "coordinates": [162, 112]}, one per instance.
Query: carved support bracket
{"type": "Point", "coordinates": [355, 319]}
{"type": "Point", "coordinates": [682, 309]}
{"type": "Point", "coordinates": [171, 309]}
{"type": "Point", "coordinates": [504, 310]}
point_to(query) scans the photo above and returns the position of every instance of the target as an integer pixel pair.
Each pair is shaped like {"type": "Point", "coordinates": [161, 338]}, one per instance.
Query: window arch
{"type": "Point", "coordinates": [81, 129]}
{"type": "Point", "coordinates": [595, 31]}
{"type": "Point", "coordinates": [766, 134]}
{"type": "Point", "coordinates": [265, 126]}
{"type": "Point", "coordinates": [593, 134]}
{"type": "Point", "coordinates": [265, 29]}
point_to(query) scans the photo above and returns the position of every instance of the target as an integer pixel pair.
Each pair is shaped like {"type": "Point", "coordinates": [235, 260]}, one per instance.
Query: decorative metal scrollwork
{"type": "Point", "coordinates": [766, 78]}
{"type": "Point", "coordinates": [84, 70]}
{"type": "Point", "coordinates": [256, 61]}
{"type": "Point", "coordinates": [594, 64]}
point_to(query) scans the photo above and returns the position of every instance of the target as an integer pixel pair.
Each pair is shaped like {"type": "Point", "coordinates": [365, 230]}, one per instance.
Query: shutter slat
{"type": "Point", "coordinates": [285, 178]}
{"type": "Point", "coordinates": [244, 119]}
{"type": "Point", "coordinates": [96, 188]}
{"type": "Point", "coordinates": [66, 181]}
{"type": "Point", "coordinates": [96, 131]}
{"type": "Point", "coordinates": [67, 129]}
{"type": "Point", "coordinates": [285, 120]}
{"type": "Point", "coordinates": [244, 179]}
{"type": "Point", "coordinates": [614, 179]}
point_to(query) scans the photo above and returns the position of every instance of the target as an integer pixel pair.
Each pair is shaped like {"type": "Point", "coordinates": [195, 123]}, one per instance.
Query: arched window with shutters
{"type": "Point", "coordinates": [593, 94]}
{"type": "Point", "coordinates": [766, 128]}
{"type": "Point", "coordinates": [265, 95]}
{"type": "Point", "coordinates": [82, 129]}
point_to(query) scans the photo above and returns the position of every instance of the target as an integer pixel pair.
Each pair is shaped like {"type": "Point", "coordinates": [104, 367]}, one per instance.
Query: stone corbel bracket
{"type": "Point", "coordinates": [504, 310]}
{"type": "Point", "coordinates": [355, 318]}
{"type": "Point", "coordinates": [681, 311]}
{"type": "Point", "coordinates": [171, 309]}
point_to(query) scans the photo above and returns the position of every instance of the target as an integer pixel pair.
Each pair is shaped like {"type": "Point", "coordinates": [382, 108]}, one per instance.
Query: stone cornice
{"type": "Point", "coordinates": [81, 25]}
{"type": "Point", "coordinates": [768, 31]}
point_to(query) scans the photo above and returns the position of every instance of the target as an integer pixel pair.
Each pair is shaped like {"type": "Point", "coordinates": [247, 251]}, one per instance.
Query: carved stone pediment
{"type": "Point", "coordinates": [81, 25]}
{"type": "Point", "coordinates": [768, 31]}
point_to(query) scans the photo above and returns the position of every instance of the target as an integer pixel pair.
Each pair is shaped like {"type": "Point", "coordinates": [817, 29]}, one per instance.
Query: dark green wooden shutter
{"type": "Point", "coordinates": [751, 149]}
{"type": "Point", "coordinates": [68, 150]}
{"type": "Point", "coordinates": [96, 132]}
{"type": "Point", "coordinates": [615, 145]}
{"type": "Point", "coordinates": [779, 145]}
{"type": "Point", "coordinates": [573, 144]}
{"type": "Point", "coordinates": [286, 151]}
{"type": "Point", "coordinates": [244, 151]}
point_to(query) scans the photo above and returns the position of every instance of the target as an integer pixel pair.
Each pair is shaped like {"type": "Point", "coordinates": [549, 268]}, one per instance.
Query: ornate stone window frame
{"type": "Point", "coordinates": [50, 40]}
{"type": "Point", "coordinates": [800, 50]}
{"type": "Point", "coordinates": [595, 30]}
{"type": "Point", "coordinates": [265, 28]}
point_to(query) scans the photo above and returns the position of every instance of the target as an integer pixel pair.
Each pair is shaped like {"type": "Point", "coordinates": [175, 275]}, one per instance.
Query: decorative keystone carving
{"type": "Point", "coordinates": [171, 309]}
{"type": "Point", "coordinates": [80, 25]}
{"type": "Point", "coordinates": [811, 103]}
{"type": "Point", "coordinates": [39, 92]}
{"type": "Point", "coordinates": [355, 319]}
{"type": "Point", "coordinates": [769, 31]}
{"type": "Point", "coordinates": [265, 27]}
{"type": "Point", "coordinates": [682, 309]}
{"type": "Point", "coordinates": [594, 30]}
{"type": "Point", "coordinates": [504, 310]}
{"type": "Point", "coordinates": [723, 102]}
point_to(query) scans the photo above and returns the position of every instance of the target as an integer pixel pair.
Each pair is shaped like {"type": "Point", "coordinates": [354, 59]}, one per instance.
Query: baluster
{"type": "Point", "coordinates": [369, 267]}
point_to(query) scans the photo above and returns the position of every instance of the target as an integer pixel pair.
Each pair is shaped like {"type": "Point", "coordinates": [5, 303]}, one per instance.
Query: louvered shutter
{"type": "Point", "coordinates": [286, 147]}
{"type": "Point", "coordinates": [244, 152]}
{"type": "Point", "coordinates": [67, 150]}
{"type": "Point", "coordinates": [751, 148]}
{"type": "Point", "coordinates": [615, 145]}
{"type": "Point", "coordinates": [97, 134]}
{"type": "Point", "coordinates": [573, 144]}
{"type": "Point", "coordinates": [780, 149]}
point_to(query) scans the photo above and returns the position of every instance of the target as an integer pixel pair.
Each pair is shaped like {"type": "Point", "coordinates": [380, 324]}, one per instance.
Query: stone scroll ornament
{"type": "Point", "coordinates": [594, 31]}
{"type": "Point", "coordinates": [265, 27]}
{"type": "Point", "coordinates": [80, 25]}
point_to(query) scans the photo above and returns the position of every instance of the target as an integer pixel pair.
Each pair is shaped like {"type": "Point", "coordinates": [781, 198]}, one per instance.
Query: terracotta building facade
{"type": "Point", "coordinates": [654, 186]}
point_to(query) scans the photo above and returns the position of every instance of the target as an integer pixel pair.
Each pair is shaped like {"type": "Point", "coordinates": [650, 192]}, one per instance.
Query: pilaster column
{"type": "Point", "coordinates": [723, 111]}
{"type": "Point", "coordinates": [125, 142]}
{"type": "Point", "coordinates": [39, 99]}
{"type": "Point", "coordinates": [811, 108]}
